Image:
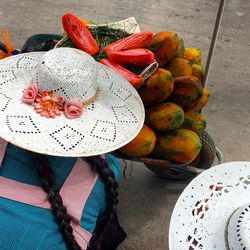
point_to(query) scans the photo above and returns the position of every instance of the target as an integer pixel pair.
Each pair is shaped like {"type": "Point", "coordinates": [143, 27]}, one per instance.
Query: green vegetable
{"type": "Point", "coordinates": [104, 35]}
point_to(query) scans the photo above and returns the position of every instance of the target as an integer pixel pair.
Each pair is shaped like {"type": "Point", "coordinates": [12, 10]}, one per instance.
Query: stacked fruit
{"type": "Point", "coordinates": [173, 97]}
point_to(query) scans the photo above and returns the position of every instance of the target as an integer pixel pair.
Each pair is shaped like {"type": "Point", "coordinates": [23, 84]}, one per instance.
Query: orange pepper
{"type": "Point", "coordinates": [135, 41]}
{"type": "Point", "coordinates": [132, 78]}
{"type": "Point", "coordinates": [6, 40]}
{"type": "Point", "coordinates": [79, 34]}
{"type": "Point", "coordinates": [139, 57]}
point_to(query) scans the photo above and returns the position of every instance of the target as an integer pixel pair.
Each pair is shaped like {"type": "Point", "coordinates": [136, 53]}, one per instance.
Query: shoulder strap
{"type": "Point", "coordinates": [25, 193]}
{"type": "Point", "coordinates": [3, 146]}
{"type": "Point", "coordinates": [35, 196]}
{"type": "Point", "coordinates": [77, 188]}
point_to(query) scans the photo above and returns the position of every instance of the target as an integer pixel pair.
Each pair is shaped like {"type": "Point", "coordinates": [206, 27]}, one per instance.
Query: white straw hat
{"type": "Point", "coordinates": [113, 112]}
{"type": "Point", "coordinates": [213, 212]}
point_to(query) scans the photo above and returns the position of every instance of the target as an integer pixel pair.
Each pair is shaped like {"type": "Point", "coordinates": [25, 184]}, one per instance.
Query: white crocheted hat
{"type": "Point", "coordinates": [66, 83]}
{"type": "Point", "coordinates": [213, 212]}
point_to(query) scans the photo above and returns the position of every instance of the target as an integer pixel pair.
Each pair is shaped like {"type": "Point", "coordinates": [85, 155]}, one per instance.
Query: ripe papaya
{"type": "Point", "coordinates": [202, 102]}
{"type": "Point", "coordinates": [181, 48]}
{"type": "Point", "coordinates": [164, 45]}
{"type": "Point", "coordinates": [187, 92]}
{"type": "Point", "coordinates": [195, 122]}
{"type": "Point", "coordinates": [164, 117]}
{"type": "Point", "coordinates": [193, 55]}
{"type": "Point", "coordinates": [141, 145]}
{"type": "Point", "coordinates": [180, 67]}
{"type": "Point", "coordinates": [179, 145]}
{"type": "Point", "coordinates": [198, 71]}
{"type": "Point", "coordinates": [157, 87]}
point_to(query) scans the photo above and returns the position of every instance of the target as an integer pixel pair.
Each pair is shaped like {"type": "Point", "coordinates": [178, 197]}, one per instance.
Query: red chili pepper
{"type": "Point", "coordinates": [138, 40]}
{"type": "Point", "coordinates": [79, 34]}
{"type": "Point", "coordinates": [139, 57]}
{"type": "Point", "coordinates": [132, 78]}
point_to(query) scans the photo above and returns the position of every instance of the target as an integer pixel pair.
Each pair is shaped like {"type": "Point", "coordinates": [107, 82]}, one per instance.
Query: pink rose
{"type": "Point", "coordinates": [73, 109]}
{"type": "Point", "coordinates": [30, 93]}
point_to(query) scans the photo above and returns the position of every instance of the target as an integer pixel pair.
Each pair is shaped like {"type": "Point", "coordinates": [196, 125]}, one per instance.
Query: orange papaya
{"type": "Point", "coordinates": [195, 122]}
{"type": "Point", "coordinates": [180, 67]}
{"type": "Point", "coordinates": [157, 87]}
{"type": "Point", "coordinates": [181, 48]}
{"type": "Point", "coordinates": [164, 117]}
{"type": "Point", "coordinates": [187, 92]}
{"type": "Point", "coordinates": [164, 45]}
{"type": "Point", "coordinates": [179, 146]}
{"type": "Point", "coordinates": [193, 55]}
{"type": "Point", "coordinates": [202, 102]}
{"type": "Point", "coordinates": [198, 71]}
{"type": "Point", "coordinates": [141, 145]}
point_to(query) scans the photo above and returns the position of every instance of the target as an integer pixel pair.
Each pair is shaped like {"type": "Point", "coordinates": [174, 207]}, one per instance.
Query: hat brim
{"type": "Point", "coordinates": [107, 124]}
{"type": "Point", "coordinates": [204, 208]}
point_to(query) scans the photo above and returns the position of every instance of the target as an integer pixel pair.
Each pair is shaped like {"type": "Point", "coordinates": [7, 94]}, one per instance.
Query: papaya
{"type": "Point", "coordinates": [179, 145]}
{"type": "Point", "coordinates": [193, 55]}
{"type": "Point", "coordinates": [164, 45]}
{"type": "Point", "coordinates": [141, 145]}
{"type": "Point", "coordinates": [180, 67]}
{"type": "Point", "coordinates": [187, 92]}
{"type": "Point", "coordinates": [181, 48]}
{"type": "Point", "coordinates": [202, 102]}
{"type": "Point", "coordinates": [157, 87]}
{"type": "Point", "coordinates": [198, 71]}
{"type": "Point", "coordinates": [195, 122]}
{"type": "Point", "coordinates": [164, 117]}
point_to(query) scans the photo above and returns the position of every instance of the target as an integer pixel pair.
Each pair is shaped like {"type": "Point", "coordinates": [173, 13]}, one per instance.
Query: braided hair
{"type": "Point", "coordinates": [47, 178]}
{"type": "Point", "coordinates": [107, 176]}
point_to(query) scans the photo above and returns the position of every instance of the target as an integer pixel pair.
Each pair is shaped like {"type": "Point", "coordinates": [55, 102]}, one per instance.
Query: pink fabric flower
{"type": "Point", "coordinates": [47, 105]}
{"type": "Point", "coordinates": [73, 109]}
{"type": "Point", "coordinates": [30, 93]}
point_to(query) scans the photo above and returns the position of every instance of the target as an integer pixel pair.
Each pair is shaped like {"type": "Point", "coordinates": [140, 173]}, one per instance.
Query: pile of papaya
{"type": "Point", "coordinates": [173, 97]}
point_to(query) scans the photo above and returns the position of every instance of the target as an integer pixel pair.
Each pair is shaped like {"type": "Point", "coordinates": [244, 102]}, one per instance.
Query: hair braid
{"type": "Point", "coordinates": [47, 177]}
{"type": "Point", "coordinates": [107, 176]}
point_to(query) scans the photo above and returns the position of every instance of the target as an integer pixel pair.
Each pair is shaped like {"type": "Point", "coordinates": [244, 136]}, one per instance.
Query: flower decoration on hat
{"type": "Point", "coordinates": [48, 106]}
{"type": "Point", "coordinates": [30, 93]}
{"type": "Point", "coordinates": [73, 109]}
{"type": "Point", "coordinates": [44, 103]}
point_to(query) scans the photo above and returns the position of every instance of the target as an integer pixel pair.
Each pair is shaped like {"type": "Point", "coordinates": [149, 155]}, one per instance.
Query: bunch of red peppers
{"type": "Point", "coordinates": [129, 50]}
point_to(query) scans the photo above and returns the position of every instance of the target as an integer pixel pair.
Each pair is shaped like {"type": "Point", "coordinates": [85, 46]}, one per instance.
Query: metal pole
{"type": "Point", "coordinates": [213, 41]}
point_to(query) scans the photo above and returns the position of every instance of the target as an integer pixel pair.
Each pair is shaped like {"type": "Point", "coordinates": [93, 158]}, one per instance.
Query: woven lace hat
{"type": "Point", "coordinates": [213, 212]}
{"type": "Point", "coordinates": [64, 103]}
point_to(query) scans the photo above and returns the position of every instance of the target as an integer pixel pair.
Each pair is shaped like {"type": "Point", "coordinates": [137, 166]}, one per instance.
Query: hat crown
{"type": "Point", "coordinates": [69, 73]}
{"type": "Point", "coordinates": [238, 228]}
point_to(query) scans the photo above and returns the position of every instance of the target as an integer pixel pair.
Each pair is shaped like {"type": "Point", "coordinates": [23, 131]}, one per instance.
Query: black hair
{"type": "Point", "coordinates": [47, 178]}
{"type": "Point", "coordinates": [107, 176]}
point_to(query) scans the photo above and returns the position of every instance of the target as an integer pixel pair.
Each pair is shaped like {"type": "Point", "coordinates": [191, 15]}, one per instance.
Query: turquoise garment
{"type": "Point", "coordinates": [27, 227]}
